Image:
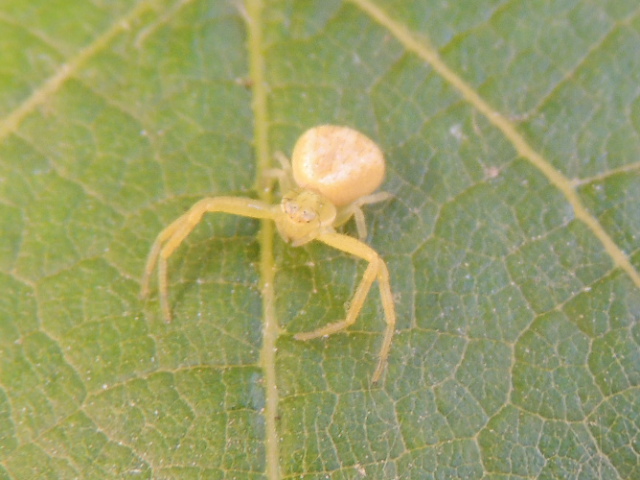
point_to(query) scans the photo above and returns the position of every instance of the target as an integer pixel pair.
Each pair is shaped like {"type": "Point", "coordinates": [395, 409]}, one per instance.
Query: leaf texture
{"type": "Point", "coordinates": [512, 135]}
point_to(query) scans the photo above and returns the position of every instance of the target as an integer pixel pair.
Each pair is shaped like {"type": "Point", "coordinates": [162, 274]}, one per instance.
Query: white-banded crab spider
{"type": "Point", "coordinates": [334, 172]}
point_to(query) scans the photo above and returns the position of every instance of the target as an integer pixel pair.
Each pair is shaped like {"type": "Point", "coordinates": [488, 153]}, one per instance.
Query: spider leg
{"type": "Point", "coordinates": [169, 239]}
{"type": "Point", "coordinates": [376, 270]}
{"type": "Point", "coordinates": [355, 210]}
{"type": "Point", "coordinates": [283, 174]}
{"type": "Point", "coordinates": [359, 214]}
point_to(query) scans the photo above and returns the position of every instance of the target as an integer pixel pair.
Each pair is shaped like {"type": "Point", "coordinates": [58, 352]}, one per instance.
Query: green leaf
{"type": "Point", "coordinates": [512, 132]}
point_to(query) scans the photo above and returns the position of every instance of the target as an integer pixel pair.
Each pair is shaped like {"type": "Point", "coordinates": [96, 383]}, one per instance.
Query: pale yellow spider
{"type": "Point", "coordinates": [335, 170]}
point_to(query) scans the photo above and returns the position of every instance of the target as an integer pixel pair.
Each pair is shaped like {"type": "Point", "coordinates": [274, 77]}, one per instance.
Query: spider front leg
{"type": "Point", "coordinates": [376, 270]}
{"type": "Point", "coordinates": [172, 237]}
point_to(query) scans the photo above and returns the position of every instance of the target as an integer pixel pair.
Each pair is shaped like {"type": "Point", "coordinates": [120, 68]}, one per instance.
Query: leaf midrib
{"type": "Point", "coordinates": [270, 330]}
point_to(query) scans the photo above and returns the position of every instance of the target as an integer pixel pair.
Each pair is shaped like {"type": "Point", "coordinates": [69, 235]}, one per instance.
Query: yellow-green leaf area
{"type": "Point", "coordinates": [511, 235]}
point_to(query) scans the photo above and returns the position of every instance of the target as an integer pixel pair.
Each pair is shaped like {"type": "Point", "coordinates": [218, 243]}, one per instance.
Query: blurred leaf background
{"type": "Point", "coordinates": [517, 347]}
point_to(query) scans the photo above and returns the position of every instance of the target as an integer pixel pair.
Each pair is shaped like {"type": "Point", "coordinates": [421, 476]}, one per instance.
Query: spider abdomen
{"type": "Point", "coordinates": [338, 162]}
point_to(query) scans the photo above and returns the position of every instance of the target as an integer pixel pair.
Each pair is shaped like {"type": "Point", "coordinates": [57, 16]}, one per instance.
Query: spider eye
{"type": "Point", "coordinates": [289, 207]}
{"type": "Point", "coordinates": [298, 214]}
{"type": "Point", "coordinates": [307, 215]}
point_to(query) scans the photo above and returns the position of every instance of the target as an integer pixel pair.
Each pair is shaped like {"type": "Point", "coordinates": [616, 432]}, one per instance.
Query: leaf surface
{"type": "Point", "coordinates": [511, 131]}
